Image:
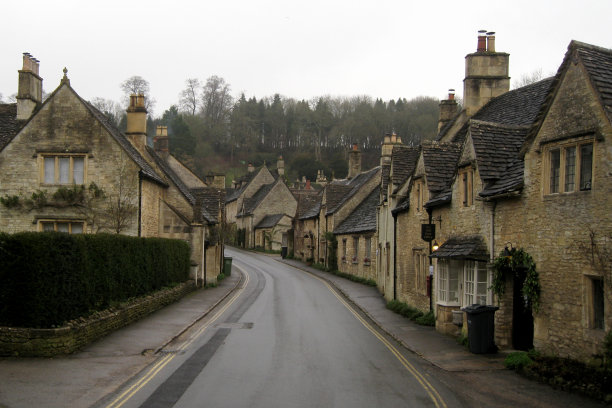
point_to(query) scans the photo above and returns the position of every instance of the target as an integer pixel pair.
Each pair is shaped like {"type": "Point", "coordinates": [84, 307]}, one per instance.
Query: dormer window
{"type": "Point", "coordinates": [569, 168]}
{"type": "Point", "coordinates": [466, 186]}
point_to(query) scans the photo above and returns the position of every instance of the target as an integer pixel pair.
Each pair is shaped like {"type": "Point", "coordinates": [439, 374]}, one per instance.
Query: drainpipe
{"type": "Point", "coordinates": [429, 275]}
{"type": "Point", "coordinates": [492, 232]}
{"type": "Point", "coordinates": [203, 257]}
{"type": "Point", "coordinates": [140, 203]}
{"type": "Point", "coordinates": [394, 256]}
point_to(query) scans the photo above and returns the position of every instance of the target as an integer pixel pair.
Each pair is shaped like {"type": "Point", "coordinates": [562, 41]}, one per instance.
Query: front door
{"type": "Point", "coordinates": [522, 318]}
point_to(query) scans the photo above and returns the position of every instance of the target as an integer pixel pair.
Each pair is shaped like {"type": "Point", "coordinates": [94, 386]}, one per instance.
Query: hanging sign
{"type": "Point", "coordinates": [428, 232]}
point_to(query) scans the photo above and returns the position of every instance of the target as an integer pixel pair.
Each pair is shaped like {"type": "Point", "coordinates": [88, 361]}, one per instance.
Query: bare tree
{"type": "Point", "coordinates": [109, 108]}
{"type": "Point", "coordinates": [138, 85]}
{"type": "Point", "coordinates": [190, 96]}
{"type": "Point", "coordinates": [121, 203]}
{"type": "Point", "coordinates": [527, 79]}
{"type": "Point", "coordinates": [216, 101]}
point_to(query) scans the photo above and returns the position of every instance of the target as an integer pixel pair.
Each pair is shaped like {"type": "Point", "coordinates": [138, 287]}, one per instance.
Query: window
{"type": "Point", "coordinates": [476, 283]}
{"type": "Point", "coordinates": [368, 250]}
{"type": "Point", "coordinates": [343, 249]}
{"type": "Point", "coordinates": [570, 168]}
{"type": "Point", "coordinates": [463, 283]}
{"type": "Point", "coordinates": [63, 169]}
{"type": "Point", "coordinates": [421, 268]}
{"type": "Point", "coordinates": [466, 185]}
{"type": "Point", "coordinates": [596, 303]}
{"type": "Point", "coordinates": [355, 249]}
{"type": "Point", "coordinates": [71, 227]}
{"type": "Point", "coordinates": [419, 195]}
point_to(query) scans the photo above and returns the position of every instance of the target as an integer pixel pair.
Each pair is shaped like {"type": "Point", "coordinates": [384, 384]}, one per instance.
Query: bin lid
{"type": "Point", "coordinates": [476, 309]}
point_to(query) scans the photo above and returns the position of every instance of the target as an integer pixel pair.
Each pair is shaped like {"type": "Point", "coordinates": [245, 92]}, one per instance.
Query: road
{"type": "Point", "coordinates": [285, 339]}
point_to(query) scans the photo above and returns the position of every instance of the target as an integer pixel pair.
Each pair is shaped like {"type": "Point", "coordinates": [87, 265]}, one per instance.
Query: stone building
{"type": "Point", "coordinates": [356, 237]}
{"type": "Point", "coordinates": [65, 167]}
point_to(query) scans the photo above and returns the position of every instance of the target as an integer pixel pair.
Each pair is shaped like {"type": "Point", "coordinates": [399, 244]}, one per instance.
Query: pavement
{"type": "Point", "coordinates": [68, 380]}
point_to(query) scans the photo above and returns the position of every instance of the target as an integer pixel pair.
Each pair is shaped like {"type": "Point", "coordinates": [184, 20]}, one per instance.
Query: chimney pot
{"type": "Point", "coordinates": [482, 41]}
{"type": "Point", "coordinates": [354, 146]}
{"type": "Point", "coordinates": [451, 94]}
{"type": "Point", "coordinates": [491, 41]}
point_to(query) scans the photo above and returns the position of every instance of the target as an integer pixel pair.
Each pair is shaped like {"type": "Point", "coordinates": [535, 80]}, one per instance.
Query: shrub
{"type": "Point", "coordinates": [412, 313]}
{"type": "Point", "coordinates": [428, 319]}
{"type": "Point", "coordinates": [518, 360]}
{"type": "Point", "coordinates": [49, 278]}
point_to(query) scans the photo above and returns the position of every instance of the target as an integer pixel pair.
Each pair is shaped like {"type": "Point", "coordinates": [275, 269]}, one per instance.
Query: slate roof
{"type": "Point", "coordinates": [251, 203]}
{"type": "Point", "coordinates": [337, 195]}
{"type": "Point", "coordinates": [518, 107]}
{"type": "Point", "coordinates": [363, 217]}
{"type": "Point", "coordinates": [384, 178]}
{"type": "Point", "coordinates": [308, 206]}
{"type": "Point", "coordinates": [209, 202]}
{"type": "Point", "coordinates": [269, 221]}
{"type": "Point", "coordinates": [161, 163]}
{"type": "Point", "coordinates": [440, 161]}
{"type": "Point", "coordinates": [598, 63]}
{"type": "Point", "coordinates": [463, 247]}
{"type": "Point", "coordinates": [9, 126]}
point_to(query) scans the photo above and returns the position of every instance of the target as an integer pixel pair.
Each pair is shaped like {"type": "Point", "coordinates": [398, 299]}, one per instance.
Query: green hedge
{"type": "Point", "coordinates": [49, 278]}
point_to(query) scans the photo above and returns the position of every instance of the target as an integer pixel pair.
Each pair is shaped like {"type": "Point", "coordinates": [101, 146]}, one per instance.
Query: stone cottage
{"type": "Point", "coordinates": [65, 167]}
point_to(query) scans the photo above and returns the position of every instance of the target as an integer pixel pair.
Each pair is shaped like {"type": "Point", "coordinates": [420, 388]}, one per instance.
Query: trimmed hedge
{"type": "Point", "coordinates": [49, 278]}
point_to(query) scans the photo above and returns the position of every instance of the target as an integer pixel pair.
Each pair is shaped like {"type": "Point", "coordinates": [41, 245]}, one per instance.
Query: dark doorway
{"type": "Point", "coordinates": [522, 318]}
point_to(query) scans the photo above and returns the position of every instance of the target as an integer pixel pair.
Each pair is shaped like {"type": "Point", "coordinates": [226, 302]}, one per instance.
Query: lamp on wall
{"type": "Point", "coordinates": [435, 246]}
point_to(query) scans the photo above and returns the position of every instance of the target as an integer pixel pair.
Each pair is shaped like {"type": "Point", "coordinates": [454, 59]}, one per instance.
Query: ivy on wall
{"type": "Point", "coordinates": [517, 260]}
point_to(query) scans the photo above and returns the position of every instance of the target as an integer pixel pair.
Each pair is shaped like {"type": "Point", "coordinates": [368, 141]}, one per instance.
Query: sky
{"type": "Point", "coordinates": [300, 49]}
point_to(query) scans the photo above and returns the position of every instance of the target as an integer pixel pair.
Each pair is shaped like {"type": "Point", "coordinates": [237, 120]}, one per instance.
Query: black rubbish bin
{"type": "Point", "coordinates": [481, 328]}
{"type": "Point", "coordinates": [283, 252]}
{"type": "Point", "coordinates": [227, 265]}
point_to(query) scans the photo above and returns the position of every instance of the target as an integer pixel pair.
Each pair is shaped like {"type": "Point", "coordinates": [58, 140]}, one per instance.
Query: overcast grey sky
{"type": "Point", "coordinates": [300, 49]}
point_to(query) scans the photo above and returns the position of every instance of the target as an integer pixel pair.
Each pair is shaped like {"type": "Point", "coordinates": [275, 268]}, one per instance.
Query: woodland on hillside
{"type": "Point", "coordinates": [211, 131]}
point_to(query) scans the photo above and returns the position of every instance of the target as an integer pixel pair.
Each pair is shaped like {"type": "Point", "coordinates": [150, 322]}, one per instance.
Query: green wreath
{"type": "Point", "coordinates": [518, 259]}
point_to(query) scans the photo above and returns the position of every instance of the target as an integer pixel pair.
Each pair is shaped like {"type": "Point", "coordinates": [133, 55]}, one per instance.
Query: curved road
{"type": "Point", "coordinates": [285, 339]}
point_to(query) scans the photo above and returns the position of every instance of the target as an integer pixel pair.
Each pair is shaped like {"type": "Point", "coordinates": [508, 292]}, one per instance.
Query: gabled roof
{"type": "Point", "coordinates": [349, 188]}
{"type": "Point", "coordinates": [518, 107]}
{"type": "Point", "coordinates": [440, 161]}
{"type": "Point", "coordinates": [363, 217]}
{"type": "Point", "coordinates": [9, 125]}
{"type": "Point", "coordinates": [209, 201]}
{"type": "Point", "coordinates": [269, 221]}
{"type": "Point", "coordinates": [178, 182]}
{"type": "Point", "coordinates": [308, 206]}
{"type": "Point", "coordinates": [463, 247]}
{"type": "Point", "coordinates": [404, 161]}
{"type": "Point", "coordinates": [244, 182]}
{"type": "Point", "coordinates": [251, 203]}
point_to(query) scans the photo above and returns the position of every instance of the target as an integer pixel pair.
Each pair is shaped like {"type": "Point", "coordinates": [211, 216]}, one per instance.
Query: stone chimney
{"type": "Point", "coordinates": [250, 168]}
{"type": "Point", "coordinates": [215, 180]}
{"type": "Point", "coordinates": [321, 179]}
{"type": "Point", "coordinates": [389, 142]}
{"type": "Point", "coordinates": [448, 109]}
{"type": "Point", "coordinates": [307, 187]}
{"type": "Point", "coordinates": [354, 162]}
{"type": "Point", "coordinates": [29, 89]}
{"type": "Point", "coordinates": [160, 141]}
{"type": "Point", "coordinates": [280, 166]}
{"type": "Point", "coordinates": [486, 74]}
{"type": "Point", "coordinates": [137, 122]}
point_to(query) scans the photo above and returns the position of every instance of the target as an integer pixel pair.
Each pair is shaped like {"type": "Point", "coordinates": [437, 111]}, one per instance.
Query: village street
{"type": "Point", "coordinates": [283, 336]}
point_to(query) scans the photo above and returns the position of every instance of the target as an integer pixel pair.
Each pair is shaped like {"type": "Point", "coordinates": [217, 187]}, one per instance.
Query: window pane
{"type": "Point", "coordinates": [49, 170]}
{"type": "Point", "coordinates": [77, 228]}
{"type": "Point", "coordinates": [64, 170]}
{"type": "Point", "coordinates": [570, 168]}
{"type": "Point", "coordinates": [598, 304]}
{"type": "Point", "coordinates": [62, 226]}
{"type": "Point", "coordinates": [453, 282]}
{"type": "Point", "coordinates": [47, 226]}
{"type": "Point", "coordinates": [78, 168]}
{"type": "Point", "coordinates": [555, 161]}
{"type": "Point", "coordinates": [482, 285]}
{"type": "Point", "coordinates": [586, 166]}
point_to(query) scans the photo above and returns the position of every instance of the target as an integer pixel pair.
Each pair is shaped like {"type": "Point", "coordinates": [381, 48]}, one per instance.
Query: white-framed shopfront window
{"type": "Point", "coordinates": [463, 283]}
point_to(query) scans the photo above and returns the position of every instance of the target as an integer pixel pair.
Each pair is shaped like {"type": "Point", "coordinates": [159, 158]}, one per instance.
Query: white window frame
{"type": "Point", "coordinates": [464, 285]}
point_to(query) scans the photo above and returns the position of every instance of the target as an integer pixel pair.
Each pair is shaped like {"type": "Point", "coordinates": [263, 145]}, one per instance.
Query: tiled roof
{"type": "Point", "coordinates": [463, 247]}
{"type": "Point", "coordinates": [9, 126]}
{"type": "Point", "coordinates": [496, 147]}
{"type": "Point", "coordinates": [404, 160]}
{"type": "Point", "coordinates": [440, 163]}
{"type": "Point", "coordinates": [210, 200]}
{"type": "Point", "coordinates": [308, 206]}
{"type": "Point", "coordinates": [251, 203]}
{"type": "Point", "coordinates": [519, 107]}
{"type": "Point", "coordinates": [353, 185]}
{"type": "Point", "coordinates": [178, 182]}
{"type": "Point", "coordinates": [598, 63]}
{"type": "Point", "coordinates": [363, 218]}
{"type": "Point", "coordinates": [269, 221]}
{"type": "Point", "coordinates": [403, 205]}
{"type": "Point", "coordinates": [244, 182]}
{"type": "Point", "coordinates": [384, 178]}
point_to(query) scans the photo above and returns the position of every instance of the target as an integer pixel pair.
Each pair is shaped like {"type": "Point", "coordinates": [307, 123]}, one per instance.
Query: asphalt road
{"type": "Point", "coordinates": [286, 339]}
